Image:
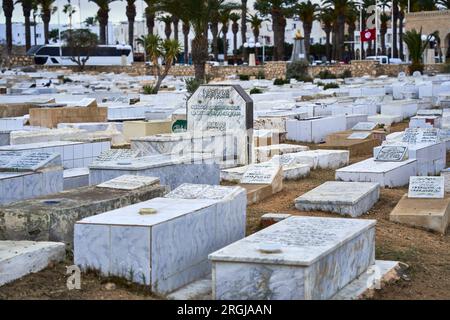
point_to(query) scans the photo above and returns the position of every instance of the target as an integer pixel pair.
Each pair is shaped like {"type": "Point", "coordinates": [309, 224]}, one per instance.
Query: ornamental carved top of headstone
{"type": "Point", "coordinates": [223, 108]}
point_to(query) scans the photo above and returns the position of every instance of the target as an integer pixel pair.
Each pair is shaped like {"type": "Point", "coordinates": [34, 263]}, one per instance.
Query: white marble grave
{"type": "Point", "coordinates": [168, 248]}
{"type": "Point", "coordinates": [426, 187]}
{"type": "Point", "coordinates": [299, 258]}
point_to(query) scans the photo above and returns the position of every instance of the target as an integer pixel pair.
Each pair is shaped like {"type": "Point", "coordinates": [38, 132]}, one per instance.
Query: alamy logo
{"type": "Point", "coordinates": [74, 279]}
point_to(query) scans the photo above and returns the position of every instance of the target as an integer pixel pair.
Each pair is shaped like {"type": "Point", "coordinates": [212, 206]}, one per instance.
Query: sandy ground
{"type": "Point", "coordinates": [427, 254]}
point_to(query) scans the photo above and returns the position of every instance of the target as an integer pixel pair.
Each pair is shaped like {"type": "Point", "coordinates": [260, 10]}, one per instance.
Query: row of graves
{"type": "Point", "coordinates": [157, 215]}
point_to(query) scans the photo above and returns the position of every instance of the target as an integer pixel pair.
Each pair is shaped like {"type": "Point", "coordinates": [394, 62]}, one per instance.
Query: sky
{"type": "Point", "coordinates": [88, 9]}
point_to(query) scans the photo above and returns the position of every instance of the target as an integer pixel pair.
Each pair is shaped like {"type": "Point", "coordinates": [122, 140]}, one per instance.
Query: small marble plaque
{"type": "Point", "coordinates": [261, 173]}
{"type": "Point", "coordinates": [117, 155]}
{"type": "Point", "coordinates": [25, 161]}
{"type": "Point", "coordinates": [201, 191]}
{"type": "Point", "coordinates": [426, 187]}
{"type": "Point", "coordinates": [420, 135]}
{"type": "Point", "coordinates": [392, 153]}
{"type": "Point", "coordinates": [359, 135]}
{"type": "Point", "coordinates": [364, 126]}
{"type": "Point", "coordinates": [129, 182]}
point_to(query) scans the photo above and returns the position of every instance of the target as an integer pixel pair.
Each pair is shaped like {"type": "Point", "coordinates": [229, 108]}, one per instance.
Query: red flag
{"type": "Point", "coordinates": [368, 35]}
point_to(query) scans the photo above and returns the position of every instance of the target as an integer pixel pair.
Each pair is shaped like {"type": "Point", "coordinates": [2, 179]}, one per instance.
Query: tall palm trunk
{"type": "Point", "coordinates": [26, 6]}
{"type": "Point", "coordinates": [150, 20]}
{"type": "Point", "coordinates": [334, 40]}
{"type": "Point", "coordinates": [167, 30]}
{"type": "Point", "coordinates": [351, 34]}
{"type": "Point", "coordinates": [307, 27]}
{"type": "Point", "coordinates": [215, 38]}
{"type": "Point", "coordinates": [327, 43]}
{"type": "Point", "coordinates": [131, 15]}
{"type": "Point", "coordinates": [200, 55]}
{"type": "Point", "coordinates": [340, 40]}
{"type": "Point", "coordinates": [235, 30]}
{"type": "Point", "coordinates": [256, 35]}
{"type": "Point", "coordinates": [46, 15]}
{"type": "Point", "coordinates": [394, 27]}
{"type": "Point", "coordinates": [8, 8]}
{"type": "Point", "coordinates": [224, 40]}
{"type": "Point", "coordinates": [103, 23]}
{"type": "Point", "coordinates": [278, 25]}
{"type": "Point", "coordinates": [383, 31]}
{"type": "Point", "coordinates": [244, 28]}
{"type": "Point", "coordinates": [186, 30]}
{"type": "Point", "coordinates": [401, 17]}
{"type": "Point", "coordinates": [176, 22]}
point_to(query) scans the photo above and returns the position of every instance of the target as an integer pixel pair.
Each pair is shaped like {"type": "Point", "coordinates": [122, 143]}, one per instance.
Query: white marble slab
{"type": "Point", "coordinates": [312, 258]}
{"type": "Point", "coordinates": [426, 187]}
{"type": "Point", "coordinates": [129, 182]}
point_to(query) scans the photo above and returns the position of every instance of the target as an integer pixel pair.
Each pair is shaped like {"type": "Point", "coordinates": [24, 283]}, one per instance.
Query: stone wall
{"type": "Point", "coordinates": [18, 61]}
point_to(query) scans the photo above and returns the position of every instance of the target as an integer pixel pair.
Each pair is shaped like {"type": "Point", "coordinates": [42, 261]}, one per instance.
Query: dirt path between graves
{"type": "Point", "coordinates": [426, 253]}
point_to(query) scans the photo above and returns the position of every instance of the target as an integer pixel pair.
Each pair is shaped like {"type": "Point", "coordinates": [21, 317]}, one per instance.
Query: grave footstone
{"type": "Point", "coordinates": [262, 180]}
{"type": "Point", "coordinates": [129, 182]}
{"type": "Point", "coordinates": [364, 126]}
{"type": "Point", "coordinates": [359, 135]}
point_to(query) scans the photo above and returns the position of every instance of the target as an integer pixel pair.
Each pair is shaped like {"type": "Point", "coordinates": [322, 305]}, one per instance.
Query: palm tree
{"type": "Point", "coordinates": [90, 21]}
{"type": "Point", "coordinates": [47, 9]}
{"type": "Point", "coordinates": [235, 29]}
{"type": "Point", "coordinates": [186, 31]}
{"type": "Point", "coordinates": [70, 11]}
{"type": "Point", "coordinates": [416, 47]}
{"type": "Point", "coordinates": [224, 18]}
{"type": "Point", "coordinates": [403, 6]}
{"type": "Point", "coordinates": [8, 8]}
{"type": "Point", "coordinates": [395, 13]}
{"type": "Point", "coordinates": [384, 18]}
{"type": "Point", "coordinates": [131, 16]}
{"type": "Point", "coordinates": [155, 49]}
{"type": "Point", "coordinates": [279, 10]}
{"type": "Point", "coordinates": [444, 3]}
{"type": "Point", "coordinates": [27, 7]}
{"type": "Point", "coordinates": [214, 26]}
{"type": "Point", "coordinates": [35, 8]}
{"type": "Point", "coordinates": [176, 22]}
{"type": "Point", "coordinates": [244, 27]}
{"type": "Point", "coordinates": [340, 8]}
{"type": "Point", "coordinates": [350, 18]}
{"type": "Point", "coordinates": [326, 17]}
{"type": "Point", "coordinates": [103, 16]}
{"type": "Point", "coordinates": [307, 12]}
{"type": "Point", "coordinates": [167, 20]}
{"type": "Point", "coordinates": [255, 23]}
{"type": "Point", "coordinates": [150, 14]}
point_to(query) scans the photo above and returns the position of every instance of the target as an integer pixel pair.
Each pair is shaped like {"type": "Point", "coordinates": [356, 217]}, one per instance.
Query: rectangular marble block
{"type": "Point", "coordinates": [345, 198]}
{"type": "Point", "coordinates": [171, 170]}
{"type": "Point", "coordinates": [165, 250]}
{"type": "Point", "coordinates": [429, 214]}
{"type": "Point", "coordinates": [314, 130]}
{"type": "Point", "coordinates": [28, 185]}
{"type": "Point", "coordinates": [312, 258]}
{"type": "Point", "coordinates": [386, 174]}
{"type": "Point", "coordinates": [19, 258]}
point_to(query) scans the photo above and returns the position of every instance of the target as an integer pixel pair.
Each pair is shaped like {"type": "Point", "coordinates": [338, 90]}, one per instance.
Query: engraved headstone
{"type": "Point", "coordinates": [364, 126]}
{"type": "Point", "coordinates": [359, 135]}
{"type": "Point", "coordinates": [420, 135]}
{"type": "Point", "coordinates": [117, 155]}
{"type": "Point", "coordinates": [392, 153]}
{"type": "Point", "coordinates": [129, 182]}
{"type": "Point", "coordinates": [201, 191]}
{"type": "Point", "coordinates": [25, 160]}
{"type": "Point", "coordinates": [426, 187]}
{"type": "Point", "coordinates": [261, 173]}
{"type": "Point", "coordinates": [225, 108]}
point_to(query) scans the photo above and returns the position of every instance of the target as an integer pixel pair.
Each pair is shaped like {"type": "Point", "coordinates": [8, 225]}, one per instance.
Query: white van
{"type": "Point", "coordinates": [380, 59]}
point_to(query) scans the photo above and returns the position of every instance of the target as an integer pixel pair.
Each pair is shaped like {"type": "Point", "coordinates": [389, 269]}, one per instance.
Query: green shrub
{"type": "Point", "coordinates": [255, 91]}
{"type": "Point", "coordinates": [192, 85]}
{"type": "Point", "coordinates": [305, 78]}
{"type": "Point", "coordinates": [261, 74]}
{"type": "Point", "coordinates": [330, 86]}
{"type": "Point", "coordinates": [148, 89]}
{"type": "Point", "coordinates": [297, 69]}
{"type": "Point", "coordinates": [446, 68]}
{"type": "Point", "coordinates": [280, 82]}
{"type": "Point", "coordinates": [346, 74]}
{"type": "Point", "coordinates": [326, 74]}
{"type": "Point", "coordinates": [244, 77]}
